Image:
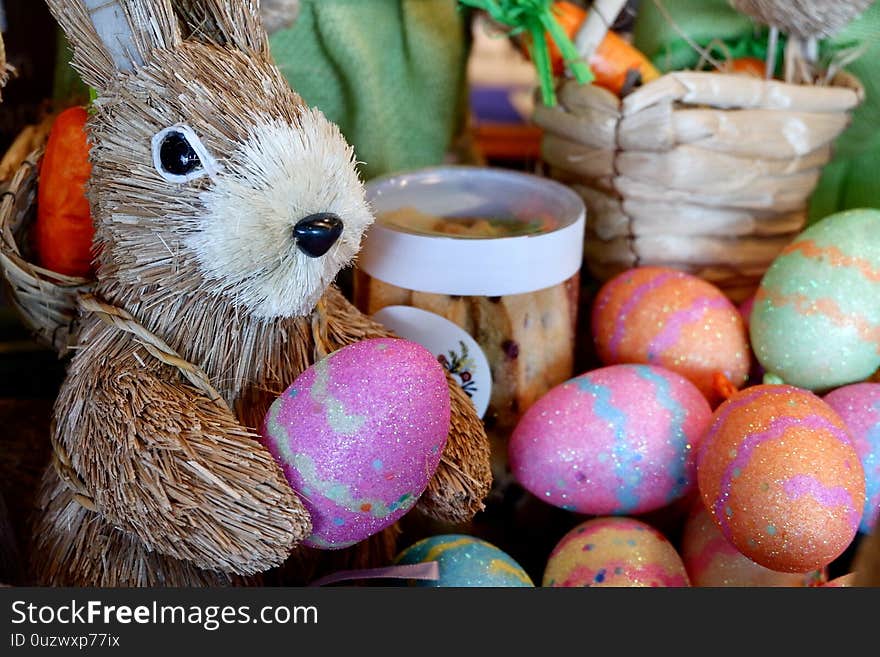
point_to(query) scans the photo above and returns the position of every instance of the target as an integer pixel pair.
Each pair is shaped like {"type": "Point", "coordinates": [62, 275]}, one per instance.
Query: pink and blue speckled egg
{"type": "Point", "coordinates": [621, 552]}
{"type": "Point", "coordinates": [617, 440]}
{"type": "Point", "coordinates": [465, 561]}
{"type": "Point", "coordinates": [859, 407]}
{"type": "Point", "coordinates": [779, 474]}
{"type": "Point", "coordinates": [359, 434]}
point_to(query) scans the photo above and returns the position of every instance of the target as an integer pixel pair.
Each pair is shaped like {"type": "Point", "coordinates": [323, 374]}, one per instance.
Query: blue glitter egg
{"type": "Point", "coordinates": [465, 561]}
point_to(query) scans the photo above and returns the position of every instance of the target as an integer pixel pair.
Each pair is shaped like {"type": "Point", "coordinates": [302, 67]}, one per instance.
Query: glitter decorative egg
{"type": "Point", "coordinates": [712, 561]}
{"type": "Point", "coordinates": [616, 440]}
{"type": "Point", "coordinates": [858, 405]}
{"type": "Point", "coordinates": [670, 318]}
{"type": "Point", "coordinates": [359, 435]}
{"type": "Point", "coordinates": [465, 561]}
{"type": "Point", "coordinates": [614, 552]}
{"type": "Point", "coordinates": [781, 478]}
{"type": "Point", "coordinates": [816, 320]}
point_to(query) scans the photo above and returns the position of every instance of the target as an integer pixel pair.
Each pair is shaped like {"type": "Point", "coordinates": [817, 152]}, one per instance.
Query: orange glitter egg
{"type": "Point", "coordinates": [665, 317]}
{"type": "Point", "coordinates": [711, 560]}
{"type": "Point", "coordinates": [781, 478]}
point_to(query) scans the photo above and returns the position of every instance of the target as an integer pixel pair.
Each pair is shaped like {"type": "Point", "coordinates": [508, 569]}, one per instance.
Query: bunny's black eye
{"type": "Point", "coordinates": [177, 156]}
{"type": "Point", "coordinates": [180, 156]}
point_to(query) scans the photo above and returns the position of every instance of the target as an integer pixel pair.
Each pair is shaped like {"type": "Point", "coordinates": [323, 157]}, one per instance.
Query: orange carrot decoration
{"type": "Point", "coordinates": [613, 60]}
{"type": "Point", "coordinates": [723, 386]}
{"type": "Point", "coordinates": [747, 66]}
{"type": "Point", "coordinates": [63, 230]}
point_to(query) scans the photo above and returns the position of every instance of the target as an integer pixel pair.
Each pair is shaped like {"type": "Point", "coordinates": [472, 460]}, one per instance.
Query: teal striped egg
{"type": "Point", "coordinates": [816, 319]}
{"type": "Point", "coordinates": [465, 561]}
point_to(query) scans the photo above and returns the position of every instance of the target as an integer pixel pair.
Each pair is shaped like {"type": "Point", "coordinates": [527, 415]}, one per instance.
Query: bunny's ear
{"type": "Point", "coordinates": [226, 22]}
{"type": "Point", "coordinates": [113, 36]}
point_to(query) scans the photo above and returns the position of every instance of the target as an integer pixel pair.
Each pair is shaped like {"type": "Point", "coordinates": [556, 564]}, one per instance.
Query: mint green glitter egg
{"type": "Point", "coordinates": [816, 319]}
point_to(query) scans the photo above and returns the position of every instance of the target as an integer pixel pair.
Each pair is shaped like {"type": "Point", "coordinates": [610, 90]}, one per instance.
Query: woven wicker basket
{"type": "Point", "coordinates": [45, 300]}
{"type": "Point", "coordinates": [705, 172]}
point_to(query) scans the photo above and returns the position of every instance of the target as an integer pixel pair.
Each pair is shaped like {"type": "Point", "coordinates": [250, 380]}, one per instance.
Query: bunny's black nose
{"type": "Point", "coordinates": [317, 233]}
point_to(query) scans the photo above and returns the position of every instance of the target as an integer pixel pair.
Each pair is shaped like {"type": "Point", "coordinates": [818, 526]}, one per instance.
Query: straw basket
{"type": "Point", "coordinates": [705, 172]}
{"type": "Point", "coordinates": [45, 300]}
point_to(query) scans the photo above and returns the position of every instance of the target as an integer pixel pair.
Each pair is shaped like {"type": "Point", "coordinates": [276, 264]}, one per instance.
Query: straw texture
{"type": "Point", "coordinates": [804, 18]}
{"type": "Point", "coordinates": [76, 547]}
{"type": "Point", "coordinates": [44, 300]}
{"type": "Point", "coordinates": [204, 310]}
{"type": "Point", "coordinates": [151, 472]}
{"type": "Point", "coordinates": [141, 436]}
{"type": "Point", "coordinates": [705, 172]}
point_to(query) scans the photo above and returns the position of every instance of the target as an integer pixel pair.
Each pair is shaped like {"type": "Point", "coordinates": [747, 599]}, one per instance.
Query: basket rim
{"type": "Point", "coordinates": [10, 252]}
{"type": "Point", "coordinates": [842, 81]}
{"type": "Point", "coordinates": [846, 90]}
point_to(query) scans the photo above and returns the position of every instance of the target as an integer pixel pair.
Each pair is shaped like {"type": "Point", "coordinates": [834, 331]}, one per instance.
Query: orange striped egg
{"type": "Point", "coordinates": [711, 560]}
{"type": "Point", "coordinates": [779, 473]}
{"type": "Point", "coordinates": [614, 551]}
{"type": "Point", "coordinates": [669, 318]}
{"type": "Point", "coordinates": [816, 319]}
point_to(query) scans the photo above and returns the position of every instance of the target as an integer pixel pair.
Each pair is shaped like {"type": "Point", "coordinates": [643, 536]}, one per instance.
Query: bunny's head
{"type": "Point", "coordinates": [210, 175]}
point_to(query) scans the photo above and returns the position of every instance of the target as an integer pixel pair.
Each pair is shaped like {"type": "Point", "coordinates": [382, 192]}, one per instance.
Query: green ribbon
{"type": "Point", "coordinates": [537, 18]}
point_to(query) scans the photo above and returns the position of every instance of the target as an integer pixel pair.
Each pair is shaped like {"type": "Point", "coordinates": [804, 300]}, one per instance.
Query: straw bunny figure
{"type": "Point", "coordinates": [224, 209]}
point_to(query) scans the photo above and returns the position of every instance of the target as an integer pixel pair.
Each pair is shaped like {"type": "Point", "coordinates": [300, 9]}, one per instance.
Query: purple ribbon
{"type": "Point", "coordinates": [425, 571]}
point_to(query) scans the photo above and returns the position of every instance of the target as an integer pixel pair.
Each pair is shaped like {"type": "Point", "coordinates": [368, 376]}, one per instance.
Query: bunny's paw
{"type": "Point", "coordinates": [464, 477]}
{"type": "Point", "coordinates": [158, 459]}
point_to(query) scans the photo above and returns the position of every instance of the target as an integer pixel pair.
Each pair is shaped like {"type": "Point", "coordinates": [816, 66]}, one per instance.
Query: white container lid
{"type": "Point", "coordinates": [493, 266]}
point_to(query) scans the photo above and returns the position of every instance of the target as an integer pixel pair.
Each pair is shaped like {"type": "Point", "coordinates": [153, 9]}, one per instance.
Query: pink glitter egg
{"type": "Point", "coordinates": [359, 434]}
{"type": "Point", "coordinates": [617, 440]}
{"type": "Point", "coordinates": [712, 561]}
{"type": "Point", "coordinates": [621, 552]}
{"type": "Point", "coordinates": [858, 405]}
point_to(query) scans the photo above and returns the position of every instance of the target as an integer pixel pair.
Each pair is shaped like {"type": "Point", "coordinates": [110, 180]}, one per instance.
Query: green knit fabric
{"type": "Point", "coordinates": [390, 73]}
{"type": "Point", "coordinates": [851, 179]}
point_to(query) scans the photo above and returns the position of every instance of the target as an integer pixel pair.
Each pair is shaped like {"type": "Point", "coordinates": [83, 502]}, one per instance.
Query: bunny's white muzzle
{"type": "Point", "coordinates": [284, 215]}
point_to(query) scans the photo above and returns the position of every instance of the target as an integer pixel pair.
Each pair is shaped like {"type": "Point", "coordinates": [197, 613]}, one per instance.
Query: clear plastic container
{"type": "Point", "coordinates": [497, 252]}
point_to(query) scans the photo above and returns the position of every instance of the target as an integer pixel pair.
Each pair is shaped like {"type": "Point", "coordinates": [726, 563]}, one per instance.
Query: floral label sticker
{"type": "Point", "coordinates": [454, 348]}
